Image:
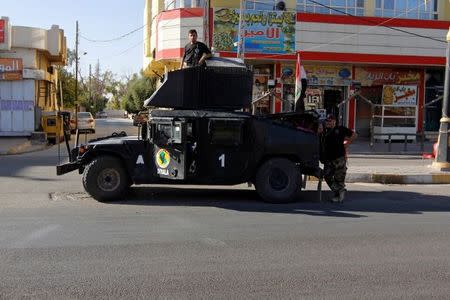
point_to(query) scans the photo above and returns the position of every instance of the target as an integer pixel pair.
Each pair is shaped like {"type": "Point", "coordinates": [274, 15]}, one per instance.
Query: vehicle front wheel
{"type": "Point", "coordinates": [278, 180]}
{"type": "Point", "coordinates": [105, 178]}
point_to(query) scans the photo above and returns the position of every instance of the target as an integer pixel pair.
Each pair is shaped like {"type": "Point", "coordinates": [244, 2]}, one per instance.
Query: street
{"type": "Point", "coordinates": [385, 241]}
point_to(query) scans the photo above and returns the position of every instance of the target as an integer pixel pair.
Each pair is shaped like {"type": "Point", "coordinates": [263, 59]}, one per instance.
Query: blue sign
{"type": "Point", "coordinates": [268, 32]}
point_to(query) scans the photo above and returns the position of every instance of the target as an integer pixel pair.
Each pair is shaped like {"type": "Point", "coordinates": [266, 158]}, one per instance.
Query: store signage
{"type": "Point", "coordinates": [11, 68]}
{"type": "Point", "coordinates": [401, 95]}
{"type": "Point", "coordinates": [313, 98]}
{"type": "Point", "coordinates": [329, 75]}
{"type": "Point", "coordinates": [2, 31]}
{"type": "Point", "coordinates": [34, 74]}
{"type": "Point", "coordinates": [17, 105]}
{"type": "Point", "coordinates": [369, 76]}
{"type": "Point", "coordinates": [265, 31]}
{"type": "Point", "coordinates": [320, 75]}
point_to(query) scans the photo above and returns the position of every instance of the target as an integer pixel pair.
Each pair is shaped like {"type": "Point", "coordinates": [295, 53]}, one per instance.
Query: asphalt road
{"type": "Point", "coordinates": [186, 242]}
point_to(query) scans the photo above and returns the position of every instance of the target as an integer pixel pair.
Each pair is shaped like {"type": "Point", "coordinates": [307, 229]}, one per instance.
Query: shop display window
{"type": "Point", "coordinates": [434, 88]}
{"type": "Point", "coordinates": [408, 9]}
{"type": "Point", "coordinates": [173, 4]}
{"type": "Point", "coordinates": [353, 7]}
{"type": "Point", "coordinates": [399, 122]}
{"type": "Point", "coordinates": [394, 116]}
{"type": "Point", "coordinates": [260, 4]}
{"type": "Point", "coordinates": [399, 111]}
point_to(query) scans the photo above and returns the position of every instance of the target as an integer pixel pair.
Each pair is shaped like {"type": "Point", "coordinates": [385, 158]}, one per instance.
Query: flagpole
{"type": "Point", "coordinates": [298, 83]}
{"type": "Point", "coordinates": [241, 32]}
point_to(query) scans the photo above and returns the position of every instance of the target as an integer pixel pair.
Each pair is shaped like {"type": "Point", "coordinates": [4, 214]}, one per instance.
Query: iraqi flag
{"type": "Point", "coordinates": [298, 79]}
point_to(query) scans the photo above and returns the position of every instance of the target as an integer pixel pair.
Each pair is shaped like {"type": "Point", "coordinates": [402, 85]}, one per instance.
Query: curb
{"type": "Point", "coordinates": [438, 178]}
{"type": "Point", "coordinates": [26, 147]}
{"type": "Point", "coordinates": [386, 156]}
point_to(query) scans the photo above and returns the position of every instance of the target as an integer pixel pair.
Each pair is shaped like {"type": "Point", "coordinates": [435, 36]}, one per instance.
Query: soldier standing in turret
{"type": "Point", "coordinates": [195, 52]}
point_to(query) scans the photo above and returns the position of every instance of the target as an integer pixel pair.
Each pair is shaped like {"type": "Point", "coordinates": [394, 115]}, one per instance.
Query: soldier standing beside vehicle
{"type": "Point", "coordinates": [195, 52]}
{"type": "Point", "coordinates": [333, 156]}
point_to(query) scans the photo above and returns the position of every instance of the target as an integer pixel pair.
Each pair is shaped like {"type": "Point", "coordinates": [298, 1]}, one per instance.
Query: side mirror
{"type": "Point", "coordinates": [143, 131]}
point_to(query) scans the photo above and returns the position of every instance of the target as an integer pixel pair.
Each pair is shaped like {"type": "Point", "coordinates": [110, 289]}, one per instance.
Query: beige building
{"type": "Point", "coordinates": [395, 49]}
{"type": "Point", "coordinates": [28, 77]}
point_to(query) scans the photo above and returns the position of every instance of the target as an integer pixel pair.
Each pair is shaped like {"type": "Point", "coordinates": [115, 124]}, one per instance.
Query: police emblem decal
{"type": "Point", "coordinates": [162, 158]}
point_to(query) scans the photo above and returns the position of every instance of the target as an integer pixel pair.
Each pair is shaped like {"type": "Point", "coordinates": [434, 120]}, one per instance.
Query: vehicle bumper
{"type": "Point", "coordinates": [68, 167]}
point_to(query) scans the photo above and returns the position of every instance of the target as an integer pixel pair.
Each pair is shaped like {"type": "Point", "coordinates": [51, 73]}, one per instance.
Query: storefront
{"type": "Point", "coordinates": [28, 78]}
{"type": "Point", "coordinates": [396, 94]}
{"type": "Point", "coordinates": [434, 88]}
{"type": "Point", "coordinates": [263, 82]}
{"type": "Point", "coordinates": [16, 99]}
{"type": "Point", "coordinates": [327, 88]}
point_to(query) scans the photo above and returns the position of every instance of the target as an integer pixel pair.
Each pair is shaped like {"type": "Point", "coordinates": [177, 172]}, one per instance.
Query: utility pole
{"type": "Point", "coordinates": [76, 77]}
{"type": "Point", "coordinates": [442, 161]}
{"type": "Point", "coordinates": [206, 23]}
{"type": "Point", "coordinates": [241, 32]}
{"type": "Point", "coordinates": [90, 86]}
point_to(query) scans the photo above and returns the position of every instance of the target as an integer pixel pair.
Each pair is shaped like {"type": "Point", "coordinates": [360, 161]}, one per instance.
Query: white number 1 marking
{"type": "Point", "coordinates": [222, 160]}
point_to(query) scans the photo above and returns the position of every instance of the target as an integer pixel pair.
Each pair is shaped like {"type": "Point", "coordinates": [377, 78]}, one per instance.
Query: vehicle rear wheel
{"type": "Point", "coordinates": [278, 180]}
{"type": "Point", "coordinates": [105, 178]}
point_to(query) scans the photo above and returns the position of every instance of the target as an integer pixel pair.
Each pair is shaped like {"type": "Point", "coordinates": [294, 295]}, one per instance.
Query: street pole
{"type": "Point", "coordinates": [206, 23]}
{"type": "Point", "coordinates": [241, 32]}
{"type": "Point", "coordinates": [76, 77]}
{"type": "Point", "coordinates": [90, 85]}
{"type": "Point", "coordinates": [442, 161]}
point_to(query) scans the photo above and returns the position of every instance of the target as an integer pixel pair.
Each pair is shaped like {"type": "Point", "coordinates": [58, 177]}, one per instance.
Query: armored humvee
{"type": "Point", "coordinates": [198, 136]}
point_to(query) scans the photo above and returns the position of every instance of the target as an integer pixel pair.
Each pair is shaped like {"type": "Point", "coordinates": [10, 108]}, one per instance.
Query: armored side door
{"type": "Point", "coordinates": [169, 149]}
{"type": "Point", "coordinates": [227, 150]}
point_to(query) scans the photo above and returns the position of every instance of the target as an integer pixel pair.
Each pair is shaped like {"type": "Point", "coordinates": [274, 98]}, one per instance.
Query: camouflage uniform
{"type": "Point", "coordinates": [333, 156]}
{"type": "Point", "coordinates": [334, 173]}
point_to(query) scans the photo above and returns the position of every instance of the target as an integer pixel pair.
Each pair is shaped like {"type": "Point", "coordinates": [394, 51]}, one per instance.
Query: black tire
{"type": "Point", "coordinates": [105, 178]}
{"type": "Point", "coordinates": [278, 180]}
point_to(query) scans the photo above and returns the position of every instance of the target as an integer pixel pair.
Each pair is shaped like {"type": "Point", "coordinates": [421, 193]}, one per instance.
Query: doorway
{"type": "Point", "coordinates": [332, 97]}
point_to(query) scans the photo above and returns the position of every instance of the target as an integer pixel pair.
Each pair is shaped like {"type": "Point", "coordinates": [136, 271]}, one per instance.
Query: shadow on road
{"type": "Point", "coordinates": [357, 202]}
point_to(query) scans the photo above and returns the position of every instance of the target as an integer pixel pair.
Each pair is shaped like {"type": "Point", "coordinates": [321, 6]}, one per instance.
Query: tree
{"type": "Point", "coordinates": [139, 88]}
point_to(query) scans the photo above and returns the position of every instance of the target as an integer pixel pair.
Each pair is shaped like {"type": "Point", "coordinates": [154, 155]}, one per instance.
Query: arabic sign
{"type": "Point", "coordinates": [320, 75]}
{"type": "Point", "coordinates": [380, 76]}
{"type": "Point", "coordinates": [314, 98]}
{"type": "Point", "coordinates": [265, 31]}
{"type": "Point", "coordinates": [11, 68]}
{"type": "Point", "coordinates": [2, 31]}
{"type": "Point", "coordinates": [399, 94]}
{"type": "Point", "coordinates": [329, 75]}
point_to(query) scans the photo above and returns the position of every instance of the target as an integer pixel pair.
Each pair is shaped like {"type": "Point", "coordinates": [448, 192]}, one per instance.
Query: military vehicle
{"type": "Point", "coordinates": [199, 134]}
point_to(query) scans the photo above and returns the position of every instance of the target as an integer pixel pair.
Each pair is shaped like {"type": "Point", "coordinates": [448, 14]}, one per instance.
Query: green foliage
{"type": "Point", "coordinates": [139, 88]}
{"type": "Point", "coordinates": [103, 89]}
{"type": "Point", "coordinates": [68, 88]}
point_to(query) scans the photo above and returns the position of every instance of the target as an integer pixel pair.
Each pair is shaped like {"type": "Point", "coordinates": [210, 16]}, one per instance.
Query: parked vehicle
{"type": "Point", "coordinates": [140, 118]}
{"type": "Point", "coordinates": [101, 114]}
{"type": "Point", "coordinates": [86, 122]}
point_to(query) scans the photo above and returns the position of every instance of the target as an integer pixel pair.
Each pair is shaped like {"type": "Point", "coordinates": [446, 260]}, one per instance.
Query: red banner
{"type": "Point", "coordinates": [2, 31]}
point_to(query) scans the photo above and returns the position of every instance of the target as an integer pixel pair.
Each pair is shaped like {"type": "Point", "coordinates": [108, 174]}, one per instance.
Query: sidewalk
{"type": "Point", "coordinates": [394, 169]}
{"type": "Point", "coordinates": [362, 147]}
{"type": "Point", "coordinates": [18, 145]}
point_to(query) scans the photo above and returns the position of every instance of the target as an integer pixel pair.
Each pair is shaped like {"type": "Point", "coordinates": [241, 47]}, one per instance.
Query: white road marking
{"type": "Point", "coordinates": [213, 242]}
{"type": "Point", "coordinates": [35, 235]}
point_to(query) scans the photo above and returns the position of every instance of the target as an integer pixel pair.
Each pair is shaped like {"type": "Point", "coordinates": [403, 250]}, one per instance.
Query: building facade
{"type": "Point", "coordinates": [394, 49]}
{"type": "Point", "coordinates": [28, 77]}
